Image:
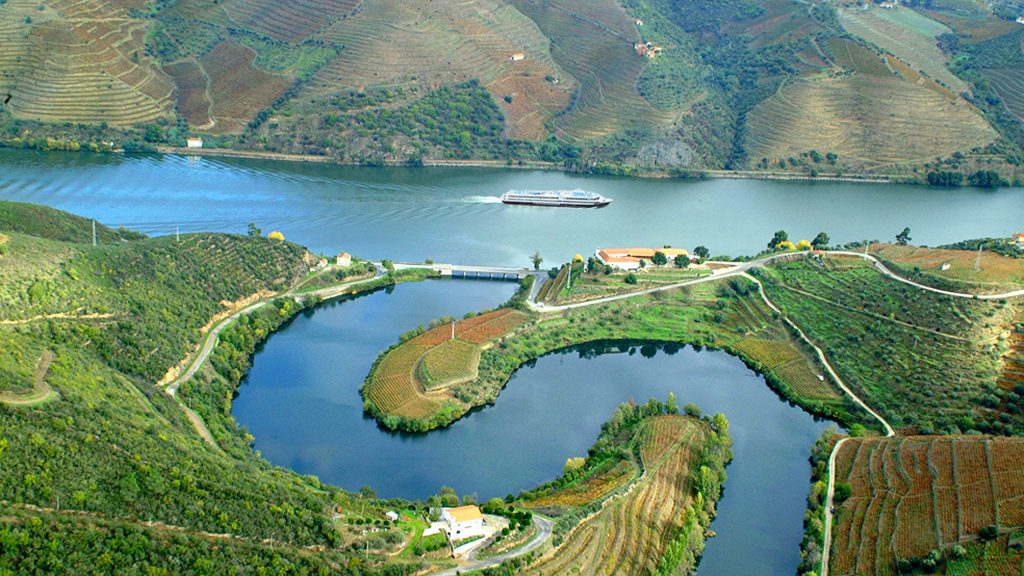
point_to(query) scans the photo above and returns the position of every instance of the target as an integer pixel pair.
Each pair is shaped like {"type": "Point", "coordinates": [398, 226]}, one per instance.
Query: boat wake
{"type": "Point", "coordinates": [483, 199]}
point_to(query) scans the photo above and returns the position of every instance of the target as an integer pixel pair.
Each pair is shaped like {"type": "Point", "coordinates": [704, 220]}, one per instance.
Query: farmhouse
{"type": "Point", "coordinates": [1019, 236]}
{"type": "Point", "coordinates": [517, 57]}
{"type": "Point", "coordinates": [647, 49]}
{"type": "Point", "coordinates": [629, 258]}
{"type": "Point", "coordinates": [463, 522]}
{"type": "Point", "coordinates": [344, 259]}
{"type": "Point", "coordinates": [1020, 19]}
{"type": "Point", "coordinates": [194, 142]}
{"type": "Point", "coordinates": [888, 5]}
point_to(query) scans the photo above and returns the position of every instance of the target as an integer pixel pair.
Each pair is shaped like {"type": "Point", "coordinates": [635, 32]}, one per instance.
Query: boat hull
{"type": "Point", "coordinates": [557, 203]}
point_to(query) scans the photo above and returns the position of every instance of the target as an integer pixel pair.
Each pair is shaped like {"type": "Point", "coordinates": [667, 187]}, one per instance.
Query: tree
{"type": "Point", "coordinates": [630, 278]}
{"type": "Point", "coordinates": [692, 410]}
{"type": "Point", "coordinates": [903, 237]}
{"type": "Point", "coordinates": [820, 241]}
{"type": "Point", "coordinates": [275, 235]}
{"type": "Point", "coordinates": [672, 405]}
{"type": "Point", "coordinates": [255, 230]}
{"type": "Point", "coordinates": [779, 237]}
{"type": "Point", "coordinates": [843, 491]}
{"type": "Point", "coordinates": [785, 245]}
{"type": "Point", "coordinates": [701, 252]}
{"type": "Point", "coordinates": [682, 261]}
{"type": "Point", "coordinates": [803, 245]}
{"type": "Point", "coordinates": [659, 258]}
{"type": "Point", "coordinates": [537, 259]}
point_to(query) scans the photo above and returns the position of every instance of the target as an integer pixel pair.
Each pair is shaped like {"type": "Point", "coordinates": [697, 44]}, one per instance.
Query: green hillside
{"type": "Point", "coordinates": [625, 86]}
{"type": "Point", "coordinates": [101, 469]}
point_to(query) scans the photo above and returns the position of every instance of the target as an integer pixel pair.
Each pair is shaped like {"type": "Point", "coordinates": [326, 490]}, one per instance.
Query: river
{"type": "Point", "coordinates": [301, 401]}
{"type": "Point", "coordinates": [453, 214]}
{"type": "Point", "coordinates": [301, 398]}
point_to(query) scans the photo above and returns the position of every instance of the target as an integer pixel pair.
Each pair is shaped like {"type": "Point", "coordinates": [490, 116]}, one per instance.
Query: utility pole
{"type": "Point", "coordinates": [177, 233]}
{"type": "Point", "coordinates": [453, 329]}
{"type": "Point", "coordinates": [568, 282]}
{"type": "Point", "coordinates": [977, 261]}
{"type": "Point", "coordinates": [93, 232]}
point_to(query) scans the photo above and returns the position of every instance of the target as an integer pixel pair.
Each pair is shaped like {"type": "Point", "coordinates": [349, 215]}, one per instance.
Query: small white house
{"type": "Point", "coordinates": [1020, 20]}
{"type": "Point", "coordinates": [518, 56]}
{"type": "Point", "coordinates": [392, 515]}
{"type": "Point", "coordinates": [463, 522]}
{"type": "Point", "coordinates": [194, 142]}
{"type": "Point", "coordinates": [344, 259]}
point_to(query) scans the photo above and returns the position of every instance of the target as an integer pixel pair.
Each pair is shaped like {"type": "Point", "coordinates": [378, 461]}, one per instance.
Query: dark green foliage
{"type": "Point", "coordinates": [779, 237]}
{"type": "Point", "coordinates": [903, 237]}
{"type": "Point", "coordinates": [986, 179]}
{"type": "Point", "coordinates": [1004, 246]}
{"type": "Point", "coordinates": [56, 544]}
{"type": "Point", "coordinates": [947, 178]}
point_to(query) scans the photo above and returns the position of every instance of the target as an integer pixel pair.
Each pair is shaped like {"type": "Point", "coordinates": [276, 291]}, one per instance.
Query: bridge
{"type": "Point", "coordinates": [468, 271]}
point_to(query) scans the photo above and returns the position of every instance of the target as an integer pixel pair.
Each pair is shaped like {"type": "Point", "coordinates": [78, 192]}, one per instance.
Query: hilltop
{"type": "Point", "coordinates": [613, 86]}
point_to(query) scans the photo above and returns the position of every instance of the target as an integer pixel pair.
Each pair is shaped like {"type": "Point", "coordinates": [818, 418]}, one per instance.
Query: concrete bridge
{"type": "Point", "coordinates": [468, 271]}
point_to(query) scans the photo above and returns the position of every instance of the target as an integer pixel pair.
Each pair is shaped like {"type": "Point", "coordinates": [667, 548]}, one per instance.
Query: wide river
{"type": "Point", "coordinates": [301, 398]}
{"type": "Point", "coordinates": [453, 214]}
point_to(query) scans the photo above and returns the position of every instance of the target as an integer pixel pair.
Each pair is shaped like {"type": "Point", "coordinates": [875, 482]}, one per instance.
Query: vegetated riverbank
{"type": "Point", "coordinates": [650, 467]}
{"type": "Point", "coordinates": [542, 165]}
{"type": "Point", "coordinates": [727, 314]}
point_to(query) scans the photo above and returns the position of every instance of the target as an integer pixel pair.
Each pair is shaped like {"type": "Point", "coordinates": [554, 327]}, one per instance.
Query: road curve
{"type": "Point", "coordinates": [211, 340]}
{"type": "Point", "coordinates": [544, 528]}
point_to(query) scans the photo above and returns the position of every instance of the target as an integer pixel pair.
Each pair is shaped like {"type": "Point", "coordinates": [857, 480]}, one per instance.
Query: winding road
{"type": "Point", "coordinates": [735, 269]}
{"type": "Point", "coordinates": [544, 528]}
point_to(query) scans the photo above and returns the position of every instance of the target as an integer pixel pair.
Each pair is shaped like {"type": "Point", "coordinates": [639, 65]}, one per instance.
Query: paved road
{"type": "Point", "coordinates": [212, 339]}
{"type": "Point", "coordinates": [544, 527]}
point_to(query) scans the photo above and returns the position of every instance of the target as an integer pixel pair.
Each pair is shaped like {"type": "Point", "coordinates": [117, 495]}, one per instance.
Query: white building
{"type": "Point", "coordinates": [194, 142]}
{"type": "Point", "coordinates": [392, 515]}
{"type": "Point", "coordinates": [344, 259]}
{"type": "Point", "coordinates": [463, 522]}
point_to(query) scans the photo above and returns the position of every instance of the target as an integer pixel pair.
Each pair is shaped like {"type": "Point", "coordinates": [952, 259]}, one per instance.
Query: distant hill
{"type": "Point", "coordinates": [616, 86]}
{"type": "Point", "coordinates": [53, 224]}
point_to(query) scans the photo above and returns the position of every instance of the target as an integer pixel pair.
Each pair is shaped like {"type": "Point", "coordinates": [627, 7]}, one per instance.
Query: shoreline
{"type": "Point", "coordinates": [700, 174]}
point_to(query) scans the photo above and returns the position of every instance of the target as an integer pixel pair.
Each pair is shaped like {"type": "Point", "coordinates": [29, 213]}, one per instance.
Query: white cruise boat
{"type": "Point", "coordinates": [566, 198]}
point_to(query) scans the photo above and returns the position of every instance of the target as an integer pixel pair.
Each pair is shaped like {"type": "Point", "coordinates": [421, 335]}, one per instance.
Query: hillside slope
{"type": "Point", "coordinates": [109, 463]}
{"type": "Point", "coordinates": [605, 85]}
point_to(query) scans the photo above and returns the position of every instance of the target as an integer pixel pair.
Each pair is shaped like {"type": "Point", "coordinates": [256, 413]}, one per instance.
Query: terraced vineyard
{"type": "Point", "coordinates": [80, 61]}
{"type": "Point", "coordinates": [291, 21]}
{"type": "Point", "coordinates": [421, 46]}
{"type": "Point", "coordinates": [908, 35]}
{"type": "Point", "coordinates": [843, 115]}
{"type": "Point", "coordinates": [922, 359]}
{"type": "Point", "coordinates": [917, 494]}
{"type": "Point", "coordinates": [1009, 85]}
{"type": "Point", "coordinates": [238, 90]}
{"type": "Point", "coordinates": [412, 380]}
{"type": "Point", "coordinates": [994, 273]}
{"type": "Point", "coordinates": [592, 41]}
{"type": "Point", "coordinates": [193, 102]}
{"type": "Point", "coordinates": [629, 534]}
{"type": "Point", "coordinates": [449, 363]}
{"type": "Point", "coordinates": [596, 487]}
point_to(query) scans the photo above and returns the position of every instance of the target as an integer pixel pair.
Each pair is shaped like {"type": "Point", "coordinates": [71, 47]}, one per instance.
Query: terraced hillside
{"type": "Point", "coordinates": [288, 21]}
{"type": "Point", "coordinates": [593, 42]}
{"type": "Point", "coordinates": [409, 385]}
{"type": "Point", "coordinates": [908, 35]}
{"type": "Point", "coordinates": [1008, 83]}
{"type": "Point", "coordinates": [80, 61]}
{"type": "Point", "coordinates": [925, 361]}
{"type": "Point", "coordinates": [633, 531]}
{"type": "Point", "coordinates": [957, 500]}
{"type": "Point", "coordinates": [237, 89]}
{"type": "Point", "coordinates": [423, 45]}
{"type": "Point", "coordinates": [868, 116]}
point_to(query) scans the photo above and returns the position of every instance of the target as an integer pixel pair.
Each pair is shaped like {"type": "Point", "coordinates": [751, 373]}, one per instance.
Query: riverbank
{"type": "Point", "coordinates": [535, 165]}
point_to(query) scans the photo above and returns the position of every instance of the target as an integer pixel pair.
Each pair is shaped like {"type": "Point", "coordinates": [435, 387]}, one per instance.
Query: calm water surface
{"type": "Point", "coordinates": [301, 398]}
{"type": "Point", "coordinates": [302, 403]}
{"type": "Point", "coordinates": [453, 214]}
